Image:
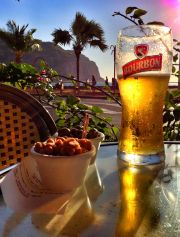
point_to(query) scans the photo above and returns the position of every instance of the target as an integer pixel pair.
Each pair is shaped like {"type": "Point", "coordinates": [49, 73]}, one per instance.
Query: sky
{"type": "Point", "coordinates": [46, 15]}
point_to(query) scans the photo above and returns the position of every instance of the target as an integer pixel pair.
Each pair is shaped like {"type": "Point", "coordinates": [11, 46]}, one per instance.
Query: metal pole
{"type": "Point", "coordinates": [114, 54]}
{"type": "Point", "coordinates": [179, 74]}
{"type": "Point", "coordinates": [114, 62]}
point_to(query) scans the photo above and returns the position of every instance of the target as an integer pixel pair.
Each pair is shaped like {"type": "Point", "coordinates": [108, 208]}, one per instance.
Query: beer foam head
{"type": "Point", "coordinates": [146, 74]}
{"type": "Point", "coordinates": [144, 49]}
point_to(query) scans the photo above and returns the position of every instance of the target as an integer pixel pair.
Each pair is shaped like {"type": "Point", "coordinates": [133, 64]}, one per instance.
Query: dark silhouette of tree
{"type": "Point", "coordinates": [18, 39]}
{"type": "Point", "coordinates": [82, 33]}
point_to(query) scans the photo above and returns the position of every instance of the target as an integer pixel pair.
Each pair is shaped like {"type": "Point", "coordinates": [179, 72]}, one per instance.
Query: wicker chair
{"type": "Point", "coordinates": [23, 121]}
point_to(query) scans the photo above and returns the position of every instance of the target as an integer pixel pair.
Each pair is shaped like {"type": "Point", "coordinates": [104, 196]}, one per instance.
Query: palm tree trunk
{"type": "Point", "coordinates": [77, 70]}
{"type": "Point", "coordinates": [77, 51]}
{"type": "Point", "coordinates": [18, 56]}
{"type": "Point", "coordinates": [179, 74]}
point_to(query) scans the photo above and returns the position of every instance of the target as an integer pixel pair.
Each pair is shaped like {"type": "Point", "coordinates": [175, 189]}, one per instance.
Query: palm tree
{"type": "Point", "coordinates": [83, 33]}
{"type": "Point", "coordinates": [18, 39]}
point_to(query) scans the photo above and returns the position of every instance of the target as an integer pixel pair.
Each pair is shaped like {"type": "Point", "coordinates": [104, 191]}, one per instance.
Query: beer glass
{"type": "Point", "coordinates": [144, 65]}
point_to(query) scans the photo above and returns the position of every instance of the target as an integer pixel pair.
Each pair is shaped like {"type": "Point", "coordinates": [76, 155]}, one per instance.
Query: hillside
{"type": "Point", "coordinates": [63, 61]}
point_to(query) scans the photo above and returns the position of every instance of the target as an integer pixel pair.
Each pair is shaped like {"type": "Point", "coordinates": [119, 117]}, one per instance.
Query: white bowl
{"type": "Point", "coordinates": [97, 142]}
{"type": "Point", "coordinates": [62, 173]}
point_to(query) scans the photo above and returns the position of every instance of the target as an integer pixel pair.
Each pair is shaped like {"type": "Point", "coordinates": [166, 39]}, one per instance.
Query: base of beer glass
{"type": "Point", "coordinates": [135, 159]}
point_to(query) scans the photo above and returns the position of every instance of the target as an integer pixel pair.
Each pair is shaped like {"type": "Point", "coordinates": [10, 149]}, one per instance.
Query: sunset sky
{"type": "Point", "coordinates": [46, 15]}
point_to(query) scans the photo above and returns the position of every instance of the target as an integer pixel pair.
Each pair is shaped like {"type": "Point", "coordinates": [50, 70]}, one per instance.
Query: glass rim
{"type": "Point", "coordinates": [165, 30]}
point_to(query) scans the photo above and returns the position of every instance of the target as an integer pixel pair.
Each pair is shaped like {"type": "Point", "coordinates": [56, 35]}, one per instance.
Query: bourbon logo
{"type": "Point", "coordinates": [143, 63]}
{"type": "Point", "coordinates": [141, 50]}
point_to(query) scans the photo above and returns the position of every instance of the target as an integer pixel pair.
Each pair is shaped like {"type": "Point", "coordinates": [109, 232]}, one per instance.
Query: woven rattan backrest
{"type": "Point", "coordinates": [23, 121]}
{"type": "Point", "coordinates": [18, 133]}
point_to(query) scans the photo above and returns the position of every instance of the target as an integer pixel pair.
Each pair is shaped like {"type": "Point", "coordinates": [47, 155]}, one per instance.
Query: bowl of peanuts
{"type": "Point", "coordinates": [95, 136]}
{"type": "Point", "coordinates": [62, 162]}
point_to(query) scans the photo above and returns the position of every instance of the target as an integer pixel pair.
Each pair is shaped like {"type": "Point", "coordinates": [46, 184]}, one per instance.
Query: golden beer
{"type": "Point", "coordinates": [142, 108]}
{"type": "Point", "coordinates": [143, 65]}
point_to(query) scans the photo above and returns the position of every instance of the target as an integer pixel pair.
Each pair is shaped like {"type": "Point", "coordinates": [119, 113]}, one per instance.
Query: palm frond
{"type": "Point", "coordinates": [85, 31]}
{"type": "Point", "coordinates": [61, 36]}
{"type": "Point", "coordinates": [99, 43]}
{"type": "Point", "coordinates": [22, 30]}
{"type": "Point", "coordinates": [11, 26]}
{"type": "Point", "coordinates": [32, 31]}
{"type": "Point", "coordinates": [94, 30]}
{"type": "Point", "coordinates": [6, 37]}
{"type": "Point", "coordinates": [16, 37]}
{"type": "Point", "coordinates": [78, 26]}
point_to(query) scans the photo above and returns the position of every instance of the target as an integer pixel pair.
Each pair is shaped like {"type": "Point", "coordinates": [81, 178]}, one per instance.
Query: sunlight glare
{"type": "Point", "coordinates": [174, 3]}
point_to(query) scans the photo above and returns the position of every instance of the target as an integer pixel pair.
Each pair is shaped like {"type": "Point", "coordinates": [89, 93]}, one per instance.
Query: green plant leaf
{"type": "Point", "coordinates": [96, 110]}
{"type": "Point", "coordinates": [108, 119]}
{"type": "Point", "coordinates": [169, 100]}
{"type": "Point", "coordinates": [60, 123]}
{"type": "Point", "coordinates": [116, 130]}
{"type": "Point", "coordinates": [175, 57]}
{"type": "Point", "coordinates": [138, 13]}
{"type": "Point", "coordinates": [130, 9]}
{"type": "Point", "coordinates": [167, 117]}
{"type": "Point", "coordinates": [173, 69]}
{"type": "Point", "coordinates": [140, 21]}
{"type": "Point", "coordinates": [176, 113]}
{"type": "Point", "coordinates": [72, 100]}
{"type": "Point", "coordinates": [155, 23]}
{"type": "Point", "coordinates": [75, 120]}
{"type": "Point", "coordinates": [175, 94]}
{"type": "Point", "coordinates": [94, 121]}
{"type": "Point", "coordinates": [61, 103]}
{"type": "Point", "coordinates": [42, 64]}
{"type": "Point", "coordinates": [27, 66]}
{"type": "Point", "coordinates": [83, 106]}
{"type": "Point", "coordinates": [53, 72]}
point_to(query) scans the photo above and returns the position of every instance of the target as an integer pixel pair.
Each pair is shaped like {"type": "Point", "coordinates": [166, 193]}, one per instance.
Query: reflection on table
{"type": "Point", "coordinates": [137, 199]}
{"type": "Point", "coordinates": [115, 200]}
{"type": "Point", "coordinates": [78, 214]}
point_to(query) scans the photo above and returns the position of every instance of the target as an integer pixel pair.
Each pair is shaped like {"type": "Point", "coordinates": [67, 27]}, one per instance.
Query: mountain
{"type": "Point", "coordinates": [63, 61]}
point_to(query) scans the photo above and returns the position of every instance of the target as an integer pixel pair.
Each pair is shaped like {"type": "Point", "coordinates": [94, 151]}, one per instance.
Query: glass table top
{"type": "Point", "coordinates": [115, 200]}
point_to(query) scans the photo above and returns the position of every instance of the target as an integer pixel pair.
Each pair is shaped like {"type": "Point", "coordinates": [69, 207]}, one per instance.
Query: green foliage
{"type": "Point", "coordinates": [96, 110]}
{"type": "Point", "coordinates": [19, 39]}
{"type": "Point", "coordinates": [155, 23]}
{"type": "Point", "coordinates": [71, 113]}
{"type": "Point", "coordinates": [171, 116]}
{"type": "Point", "coordinates": [24, 76]}
{"type": "Point", "coordinates": [136, 16]}
{"type": "Point", "coordinates": [175, 57]}
{"type": "Point", "coordinates": [138, 13]}
{"type": "Point", "coordinates": [129, 10]}
{"type": "Point", "coordinates": [20, 75]}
